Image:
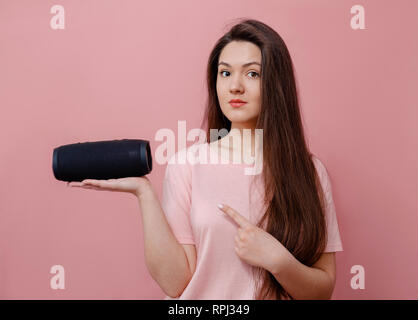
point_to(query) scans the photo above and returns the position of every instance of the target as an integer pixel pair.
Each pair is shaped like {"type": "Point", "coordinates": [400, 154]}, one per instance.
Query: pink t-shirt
{"type": "Point", "coordinates": [191, 193]}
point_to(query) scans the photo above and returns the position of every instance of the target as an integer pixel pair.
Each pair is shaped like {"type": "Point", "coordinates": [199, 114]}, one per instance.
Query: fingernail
{"type": "Point", "coordinates": [220, 206]}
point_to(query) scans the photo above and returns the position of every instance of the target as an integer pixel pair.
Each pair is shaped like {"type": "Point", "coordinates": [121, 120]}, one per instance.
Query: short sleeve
{"type": "Point", "coordinates": [176, 198]}
{"type": "Point", "coordinates": [334, 240]}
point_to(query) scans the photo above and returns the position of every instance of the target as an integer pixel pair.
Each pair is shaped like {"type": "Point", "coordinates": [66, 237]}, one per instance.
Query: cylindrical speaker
{"type": "Point", "coordinates": [102, 160]}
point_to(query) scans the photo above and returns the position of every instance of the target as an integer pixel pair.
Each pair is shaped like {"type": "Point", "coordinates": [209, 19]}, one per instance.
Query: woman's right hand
{"type": "Point", "coordinates": [135, 185]}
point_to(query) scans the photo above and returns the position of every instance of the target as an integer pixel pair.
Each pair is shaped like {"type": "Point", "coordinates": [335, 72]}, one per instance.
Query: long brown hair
{"type": "Point", "coordinates": [294, 199]}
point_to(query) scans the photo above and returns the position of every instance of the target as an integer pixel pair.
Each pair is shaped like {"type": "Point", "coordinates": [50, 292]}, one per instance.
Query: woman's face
{"type": "Point", "coordinates": [236, 80]}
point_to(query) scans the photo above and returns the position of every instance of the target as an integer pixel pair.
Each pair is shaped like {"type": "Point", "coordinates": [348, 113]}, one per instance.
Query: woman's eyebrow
{"type": "Point", "coordinates": [244, 65]}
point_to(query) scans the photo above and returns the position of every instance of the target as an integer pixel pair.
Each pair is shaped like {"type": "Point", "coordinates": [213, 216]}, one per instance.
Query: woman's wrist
{"type": "Point", "coordinates": [145, 193]}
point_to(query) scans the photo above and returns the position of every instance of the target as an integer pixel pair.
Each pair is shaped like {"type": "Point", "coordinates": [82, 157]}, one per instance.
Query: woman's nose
{"type": "Point", "coordinates": [236, 85]}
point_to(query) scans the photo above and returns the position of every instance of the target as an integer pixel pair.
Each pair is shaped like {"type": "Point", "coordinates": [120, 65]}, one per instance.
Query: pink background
{"type": "Point", "coordinates": [125, 69]}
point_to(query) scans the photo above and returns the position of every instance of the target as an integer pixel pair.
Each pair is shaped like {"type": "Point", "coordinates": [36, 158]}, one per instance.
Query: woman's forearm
{"type": "Point", "coordinates": [165, 258]}
{"type": "Point", "coordinates": [303, 282]}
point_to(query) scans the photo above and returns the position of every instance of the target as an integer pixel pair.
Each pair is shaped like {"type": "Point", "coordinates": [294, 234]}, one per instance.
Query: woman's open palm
{"type": "Point", "coordinates": [134, 185]}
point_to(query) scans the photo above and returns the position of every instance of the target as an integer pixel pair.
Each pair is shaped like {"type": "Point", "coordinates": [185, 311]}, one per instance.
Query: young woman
{"type": "Point", "coordinates": [276, 233]}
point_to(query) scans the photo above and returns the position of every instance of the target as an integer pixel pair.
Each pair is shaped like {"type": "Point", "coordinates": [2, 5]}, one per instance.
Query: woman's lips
{"type": "Point", "coordinates": [237, 104]}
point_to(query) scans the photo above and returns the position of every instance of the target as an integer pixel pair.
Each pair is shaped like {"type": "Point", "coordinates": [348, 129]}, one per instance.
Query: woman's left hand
{"type": "Point", "coordinates": [256, 246]}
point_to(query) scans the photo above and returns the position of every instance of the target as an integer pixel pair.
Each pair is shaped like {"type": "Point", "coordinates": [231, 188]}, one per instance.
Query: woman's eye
{"type": "Point", "coordinates": [222, 72]}
{"type": "Point", "coordinates": [255, 73]}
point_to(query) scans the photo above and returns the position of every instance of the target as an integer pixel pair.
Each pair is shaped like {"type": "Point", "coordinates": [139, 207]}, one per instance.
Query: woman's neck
{"type": "Point", "coordinates": [242, 140]}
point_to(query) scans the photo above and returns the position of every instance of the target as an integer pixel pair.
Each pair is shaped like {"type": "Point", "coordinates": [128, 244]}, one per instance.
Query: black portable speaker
{"type": "Point", "coordinates": [102, 160]}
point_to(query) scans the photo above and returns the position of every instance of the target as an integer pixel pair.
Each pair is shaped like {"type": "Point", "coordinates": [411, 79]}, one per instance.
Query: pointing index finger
{"type": "Point", "coordinates": [238, 218]}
